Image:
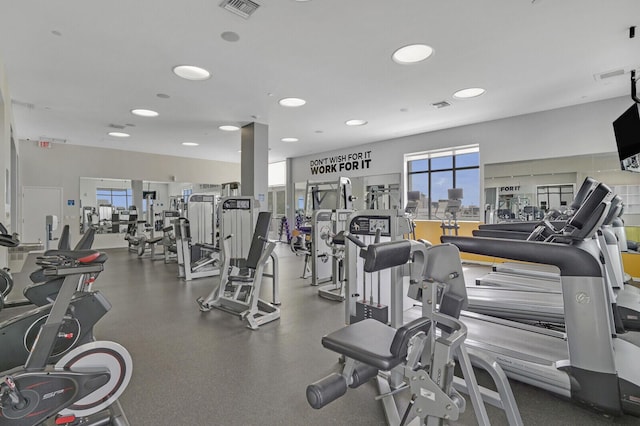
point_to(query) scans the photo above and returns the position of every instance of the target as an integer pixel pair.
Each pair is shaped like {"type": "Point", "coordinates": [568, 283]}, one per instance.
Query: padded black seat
{"type": "Point", "coordinates": [374, 343]}
{"type": "Point", "coordinates": [154, 240]}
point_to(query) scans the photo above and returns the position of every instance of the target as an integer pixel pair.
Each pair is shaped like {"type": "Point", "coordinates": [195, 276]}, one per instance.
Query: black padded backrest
{"type": "Point", "coordinates": [259, 236]}
{"type": "Point", "coordinates": [64, 243]}
{"type": "Point", "coordinates": [86, 241]}
{"type": "Point", "coordinates": [588, 217]}
{"type": "Point", "coordinates": [583, 193]}
{"type": "Point", "coordinates": [400, 342]}
{"type": "Point", "coordinates": [386, 255]}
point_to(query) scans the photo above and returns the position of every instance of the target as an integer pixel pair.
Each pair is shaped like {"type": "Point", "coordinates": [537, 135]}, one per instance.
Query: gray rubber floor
{"type": "Point", "coordinates": [193, 368]}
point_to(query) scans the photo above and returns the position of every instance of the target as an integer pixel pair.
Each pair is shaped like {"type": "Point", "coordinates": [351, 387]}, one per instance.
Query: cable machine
{"type": "Point", "coordinates": [328, 252]}
{"type": "Point", "coordinates": [361, 288]}
{"type": "Point", "coordinates": [196, 238]}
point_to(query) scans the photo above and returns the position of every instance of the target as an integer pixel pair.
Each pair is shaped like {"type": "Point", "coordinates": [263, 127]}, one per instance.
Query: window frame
{"type": "Point", "coordinates": [127, 193]}
{"type": "Point", "coordinates": [429, 155]}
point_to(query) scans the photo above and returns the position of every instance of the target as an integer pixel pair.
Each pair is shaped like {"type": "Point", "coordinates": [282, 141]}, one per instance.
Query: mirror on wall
{"type": "Point", "coordinates": [526, 190]}
{"type": "Point", "coordinates": [368, 192]}
{"type": "Point", "coordinates": [109, 205]}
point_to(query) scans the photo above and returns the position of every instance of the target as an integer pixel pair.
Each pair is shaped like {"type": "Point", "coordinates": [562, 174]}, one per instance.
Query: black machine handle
{"type": "Point", "coordinates": [571, 260]}
{"type": "Point", "coordinates": [355, 240]}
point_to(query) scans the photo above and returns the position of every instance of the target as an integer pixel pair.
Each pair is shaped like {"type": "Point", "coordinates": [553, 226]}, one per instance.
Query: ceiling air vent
{"type": "Point", "coordinates": [613, 73]}
{"type": "Point", "coordinates": [116, 126]}
{"type": "Point", "coordinates": [441, 104]}
{"type": "Point", "coordinates": [23, 104]}
{"type": "Point", "coordinates": [243, 8]}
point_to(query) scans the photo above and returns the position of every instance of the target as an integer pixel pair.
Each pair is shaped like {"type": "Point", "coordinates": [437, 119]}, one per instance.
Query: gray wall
{"type": "Point", "coordinates": [577, 130]}
{"type": "Point", "coordinates": [581, 129]}
{"type": "Point", "coordinates": [63, 165]}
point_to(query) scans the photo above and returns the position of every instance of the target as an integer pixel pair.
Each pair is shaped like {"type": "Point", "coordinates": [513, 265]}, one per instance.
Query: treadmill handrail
{"type": "Point", "coordinates": [572, 261]}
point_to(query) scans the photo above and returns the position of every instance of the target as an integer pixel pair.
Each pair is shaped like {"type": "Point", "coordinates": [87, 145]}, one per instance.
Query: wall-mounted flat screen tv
{"type": "Point", "coordinates": [627, 131]}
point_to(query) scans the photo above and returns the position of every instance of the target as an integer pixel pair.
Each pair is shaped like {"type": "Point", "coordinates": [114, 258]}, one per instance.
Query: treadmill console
{"type": "Point", "coordinates": [369, 225]}
{"type": "Point", "coordinates": [237, 204]}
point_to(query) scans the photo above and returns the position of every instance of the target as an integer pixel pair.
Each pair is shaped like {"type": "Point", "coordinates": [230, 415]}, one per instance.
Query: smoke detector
{"type": "Point", "coordinates": [242, 8]}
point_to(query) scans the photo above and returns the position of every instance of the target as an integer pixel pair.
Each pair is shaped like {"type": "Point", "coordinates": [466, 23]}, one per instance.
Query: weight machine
{"type": "Point", "coordinates": [238, 219]}
{"type": "Point", "coordinates": [324, 196]}
{"type": "Point", "coordinates": [417, 358]}
{"type": "Point", "coordinates": [374, 226]}
{"type": "Point", "coordinates": [332, 195]}
{"type": "Point", "coordinates": [231, 189]}
{"type": "Point", "coordinates": [239, 290]}
{"type": "Point", "coordinates": [196, 239]}
{"type": "Point", "coordinates": [327, 246]}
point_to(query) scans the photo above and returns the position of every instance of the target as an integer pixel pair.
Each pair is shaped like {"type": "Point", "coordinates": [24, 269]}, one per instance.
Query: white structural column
{"type": "Point", "coordinates": [254, 166]}
{"type": "Point", "coordinates": [290, 194]}
{"type": "Point", "coordinates": [136, 192]}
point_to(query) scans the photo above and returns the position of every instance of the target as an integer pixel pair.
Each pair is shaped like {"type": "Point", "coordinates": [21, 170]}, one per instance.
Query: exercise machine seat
{"type": "Point", "coordinates": [374, 343]}
{"type": "Point", "coordinates": [387, 255]}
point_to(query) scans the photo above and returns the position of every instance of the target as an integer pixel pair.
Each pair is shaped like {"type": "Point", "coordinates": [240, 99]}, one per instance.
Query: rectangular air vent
{"type": "Point", "coordinates": [613, 73]}
{"type": "Point", "coordinates": [243, 8]}
{"type": "Point", "coordinates": [22, 104]}
{"type": "Point", "coordinates": [441, 104]}
{"type": "Point", "coordinates": [116, 126]}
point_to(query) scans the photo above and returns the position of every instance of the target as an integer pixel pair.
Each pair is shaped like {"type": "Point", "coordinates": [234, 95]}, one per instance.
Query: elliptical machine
{"type": "Point", "coordinates": [82, 384]}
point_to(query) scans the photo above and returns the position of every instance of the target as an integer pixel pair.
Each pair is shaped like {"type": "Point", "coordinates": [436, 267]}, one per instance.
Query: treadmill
{"type": "Point", "coordinates": [586, 363]}
{"type": "Point", "coordinates": [533, 293]}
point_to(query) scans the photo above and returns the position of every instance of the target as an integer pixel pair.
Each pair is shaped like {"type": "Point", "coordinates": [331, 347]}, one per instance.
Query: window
{"type": "Point", "coordinates": [433, 173]}
{"type": "Point", "coordinates": [115, 197]}
{"type": "Point", "coordinates": [557, 197]}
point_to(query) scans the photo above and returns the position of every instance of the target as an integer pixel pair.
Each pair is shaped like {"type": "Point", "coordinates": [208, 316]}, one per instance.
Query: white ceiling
{"type": "Point", "coordinates": [113, 56]}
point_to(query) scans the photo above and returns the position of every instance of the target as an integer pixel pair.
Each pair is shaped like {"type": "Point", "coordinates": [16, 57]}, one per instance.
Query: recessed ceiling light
{"type": "Point", "coordinates": [119, 134]}
{"type": "Point", "coordinates": [144, 112]}
{"type": "Point", "coordinates": [292, 102]}
{"type": "Point", "coordinates": [412, 53]}
{"type": "Point", "coordinates": [472, 92]}
{"type": "Point", "coordinates": [289, 139]}
{"type": "Point", "coordinates": [190, 144]}
{"type": "Point", "coordinates": [229, 128]}
{"type": "Point", "coordinates": [239, 151]}
{"type": "Point", "coordinates": [355, 122]}
{"type": "Point", "coordinates": [190, 72]}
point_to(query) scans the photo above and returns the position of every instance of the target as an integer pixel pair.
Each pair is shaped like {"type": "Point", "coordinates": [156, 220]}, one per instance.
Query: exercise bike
{"type": "Point", "coordinates": [80, 386]}
{"type": "Point", "coordinates": [18, 334]}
